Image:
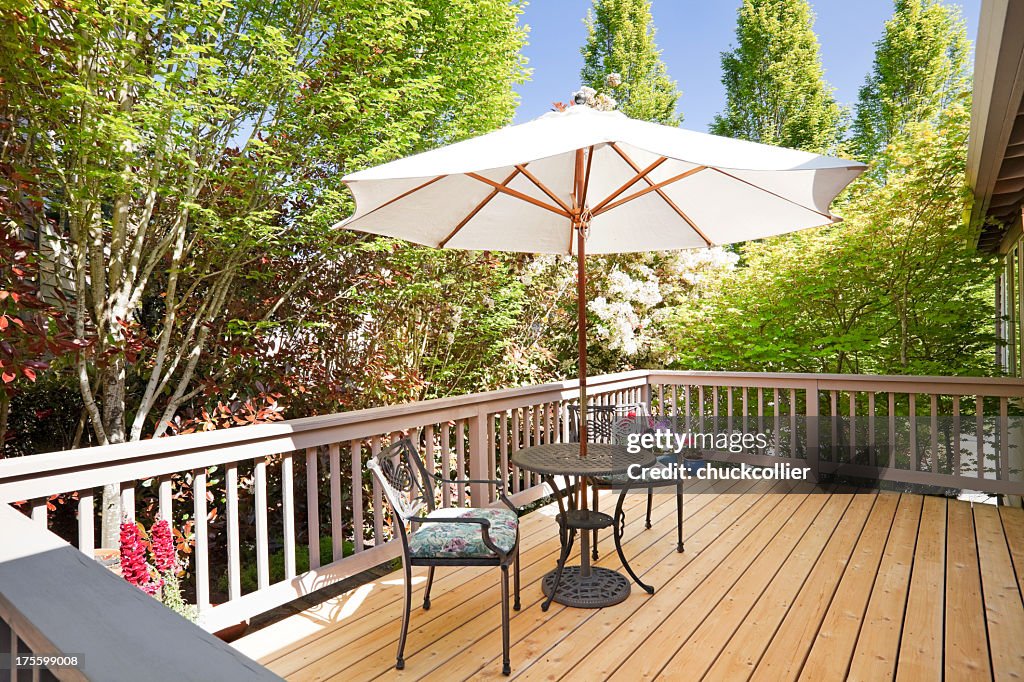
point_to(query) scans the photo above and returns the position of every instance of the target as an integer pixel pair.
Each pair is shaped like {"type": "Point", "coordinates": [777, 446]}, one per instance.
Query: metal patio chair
{"type": "Point", "coordinates": [612, 424]}
{"type": "Point", "coordinates": [446, 536]}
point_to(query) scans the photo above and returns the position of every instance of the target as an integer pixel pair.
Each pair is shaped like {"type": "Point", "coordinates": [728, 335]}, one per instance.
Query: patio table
{"type": "Point", "coordinates": [584, 586]}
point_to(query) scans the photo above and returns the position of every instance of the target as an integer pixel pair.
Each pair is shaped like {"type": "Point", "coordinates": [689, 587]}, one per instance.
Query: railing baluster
{"type": "Point", "coordinates": [746, 407]}
{"type": "Point", "coordinates": [760, 409]}
{"type": "Point", "coordinates": [675, 401]}
{"type": "Point", "coordinates": [355, 450]}
{"type": "Point", "coordinates": [128, 500]}
{"type": "Point", "coordinates": [536, 478]}
{"type": "Point", "coordinates": [313, 505]}
{"type": "Point", "coordinates": [934, 414]}
{"type": "Point", "coordinates": [979, 420]}
{"type": "Point", "coordinates": [503, 448]}
{"type": "Point", "coordinates": [892, 430]}
{"type": "Point", "coordinates": [700, 406]}
{"type": "Point", "coordinates": [957, 471]}
{"type": "Point", "coordinates": [86, 528]}
{"type": "Point", "coordinates": [1003, 474]}
{"type": "Point", "coordinates": [661, 401]}
{"type": "Point", "coordinates": [165, 500]}
{"type": "Point", "coordinates": [378, 498]}
{"type": "Point", "coordinates": [202, 553]}
{"type": "Point", "coordinates": [833, 414]}
{"type": "Point", "coordinates": [686, 407]}
{"type": "Point", "coordinates": [777, 415]}
{"type": "Point", "coordinates": [729, 407]}
{"type": "Point", "coordinates": [337, 528]}
{"type": "Point", "coordinates": [872, 459]}
{"type": "Point", "coordinates": [915, 462]}
{"type": "Point", "coordinates": [38, 511]}
{"type": "Point", "coordinates": [262, 541]}
{"type": "Point", "coordinates": [233, 540]}
{"type": "Point", "coordinates": [853, 427]}
{"type": "Point", "coordinates": [516, 473]}
{"type": "Point", "coordinates": [460, 459]}
{"type": "Point", "coordinates": [446, 462]}
{"type": "Point", "coordinates": [792, 423]}
{"type": "Point", "coordinates": [288, 513]}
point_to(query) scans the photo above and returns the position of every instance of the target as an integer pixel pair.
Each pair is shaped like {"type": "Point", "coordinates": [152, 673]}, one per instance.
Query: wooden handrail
{"type": "Point", "coordinates": [59, 602]}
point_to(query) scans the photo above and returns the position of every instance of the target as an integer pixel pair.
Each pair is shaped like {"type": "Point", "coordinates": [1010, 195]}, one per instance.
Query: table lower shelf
{"type": "Point", "coordinates": [603, 587]}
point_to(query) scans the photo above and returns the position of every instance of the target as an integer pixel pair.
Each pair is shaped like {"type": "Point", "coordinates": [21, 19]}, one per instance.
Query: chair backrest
{"type": "Point", "coordinates": [404, 479]}
{"type": "Point", "coordinates": [608, 423]}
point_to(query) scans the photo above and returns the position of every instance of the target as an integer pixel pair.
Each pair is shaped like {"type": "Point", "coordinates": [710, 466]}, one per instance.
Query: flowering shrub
{"type": "Point", "coordinates": [160, 575]}
{"type": "Point", "coordinates": [134, 566]}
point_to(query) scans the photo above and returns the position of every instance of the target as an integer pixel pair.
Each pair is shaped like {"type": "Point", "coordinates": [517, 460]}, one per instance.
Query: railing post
{"type": "Point", "coordinates": [645, 393]}
{"type": "Point", "coordinates": [480, 465]}
{"type": "Point", "coordinates": [813, 449]}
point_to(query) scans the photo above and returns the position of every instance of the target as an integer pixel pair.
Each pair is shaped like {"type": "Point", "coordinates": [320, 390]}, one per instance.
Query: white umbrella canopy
{"type": "Point", "coordinates": [583, 181]}
{"type": "Point", "coordinates": [648, 187]}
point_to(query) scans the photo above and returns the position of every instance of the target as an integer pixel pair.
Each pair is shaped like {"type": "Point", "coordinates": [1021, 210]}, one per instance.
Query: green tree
{"type": "Point", "coordinates": [775, 87]}
{"type": "Point", "coordinates": [894, 289]}
{"type": "Point", "coordinates": [921, 65]}
{"type": "Point", "coordinates": [620, 40]}
{"type": "Point", "coordinates": [185, 148]}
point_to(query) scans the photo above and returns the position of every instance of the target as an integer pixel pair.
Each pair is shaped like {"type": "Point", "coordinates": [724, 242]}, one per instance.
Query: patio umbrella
{"type": "Point", "coordinates": [584, 181]}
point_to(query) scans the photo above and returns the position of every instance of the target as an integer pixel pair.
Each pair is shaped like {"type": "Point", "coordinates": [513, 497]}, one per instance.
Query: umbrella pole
{"type": "Point", "coordinates": [581, 332]}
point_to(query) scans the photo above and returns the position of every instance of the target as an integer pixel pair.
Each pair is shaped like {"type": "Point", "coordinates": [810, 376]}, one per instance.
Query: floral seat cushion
{"type": "Point", "coordinates": [464, 540]}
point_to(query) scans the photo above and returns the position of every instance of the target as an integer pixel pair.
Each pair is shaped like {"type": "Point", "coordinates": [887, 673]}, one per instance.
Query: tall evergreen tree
{"type": "Point", "coordinates": [621, 40]}
{"type": "Point", "coordinates": [921, 64]}
{"type": "Point", "coordinates": [775, 87]}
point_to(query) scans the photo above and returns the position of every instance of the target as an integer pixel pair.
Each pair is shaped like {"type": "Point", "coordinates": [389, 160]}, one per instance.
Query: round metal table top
{"type": "Point", "coordinates": [563, 459]}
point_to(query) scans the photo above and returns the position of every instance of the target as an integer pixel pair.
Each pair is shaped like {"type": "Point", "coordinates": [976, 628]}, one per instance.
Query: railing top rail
{"type": "Point", "coordinates": [47, 588]}
{"type": "Point", "coordinates": [989, 386]}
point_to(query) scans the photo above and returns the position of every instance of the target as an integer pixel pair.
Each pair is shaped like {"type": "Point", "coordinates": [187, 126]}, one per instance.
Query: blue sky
{"type": "Point", "coordinates": [691, 35]}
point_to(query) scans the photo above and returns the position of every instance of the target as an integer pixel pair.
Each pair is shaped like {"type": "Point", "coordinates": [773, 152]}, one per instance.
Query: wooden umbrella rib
{"type": "Point", "coordinates": [542, 187]}
{"type": "Point", "coordinates": [632, 181]}
{"type": "Point", "coordinates": [653, 188]}
{"type": "Point", "coordinates": [479, 207]}
{"type": "Point", "coordinates": [777, 196]}
{"type": "Point", "coordinates": [586, 175]}
{"type": "Point", "coordinates": [661, 193]}
{"type": "Point", "coordinates": [519, 195]}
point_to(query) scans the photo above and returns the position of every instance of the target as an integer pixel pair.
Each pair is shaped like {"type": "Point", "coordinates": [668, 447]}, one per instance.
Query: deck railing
{"type": "Point", "coordinates": [278, 488]}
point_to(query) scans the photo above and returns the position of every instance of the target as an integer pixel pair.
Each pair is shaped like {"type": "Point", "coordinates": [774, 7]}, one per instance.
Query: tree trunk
{"type": "Point", "coordinates": [113, 417]}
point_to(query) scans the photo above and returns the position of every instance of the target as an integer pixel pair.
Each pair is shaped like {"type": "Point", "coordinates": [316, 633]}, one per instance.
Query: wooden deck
{"type": "Point", "coordinates": [772, 586]}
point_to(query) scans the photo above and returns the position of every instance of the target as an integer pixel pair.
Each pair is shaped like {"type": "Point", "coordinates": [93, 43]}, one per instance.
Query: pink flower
{"type": "Point", "coordinates": [163, 546]}
{"type": "Point", "coordinates": [133, 559]}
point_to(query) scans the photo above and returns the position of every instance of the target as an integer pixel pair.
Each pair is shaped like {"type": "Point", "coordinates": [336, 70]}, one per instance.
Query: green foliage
{"type": "Point", "coordinates": [894, 289]}
{"type": "Point", "coordinates": [190, 153]}
{"type": "Point", "coordinates": [620, 40]}
{"type": "Point", "coordinates": [775, 87]}
{"type": "Point", "coordinates": [921, 65]}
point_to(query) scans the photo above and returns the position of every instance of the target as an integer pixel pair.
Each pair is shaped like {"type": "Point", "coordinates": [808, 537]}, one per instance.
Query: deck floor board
{"type": "Point", "coordinates": [771, 586]}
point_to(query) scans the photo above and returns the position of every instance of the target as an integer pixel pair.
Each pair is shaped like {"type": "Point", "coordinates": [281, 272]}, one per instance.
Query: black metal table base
{"type": "Point", "coordinates": [603, 587]}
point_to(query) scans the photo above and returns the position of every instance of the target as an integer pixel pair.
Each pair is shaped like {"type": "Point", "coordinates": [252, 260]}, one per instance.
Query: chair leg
{"type": "Point", "coordinates": [650, 500]}
{"type": "Point", "coordinates": [400, 662]}
{"type": "Point", "coordinates": [679, 518]}
{"type": "Point", "coordinates": [516, 604]}
{"type": "Point", "coordinates": [506, 663]}
{"type": "Point", "coordinates": [594, 506]}
{"type": "Point", "coordinates": [426, 592]}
